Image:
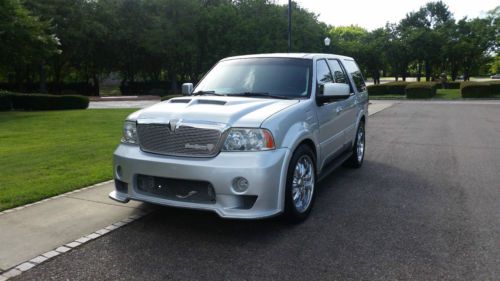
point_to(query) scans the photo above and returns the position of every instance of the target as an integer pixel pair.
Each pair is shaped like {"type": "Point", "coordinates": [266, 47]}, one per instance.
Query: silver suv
{"type": "Point", "coordinates": [251, 140]}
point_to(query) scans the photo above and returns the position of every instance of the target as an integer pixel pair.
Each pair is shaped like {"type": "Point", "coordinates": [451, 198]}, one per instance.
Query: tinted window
{"type": "Point", "coordinates": [276, 76]}
{"type": "Point", "coordinates": [323, 72]}
{"type": "Point", "coordinates": [353, 69]}
{"type": "Point", "coordinates": [339, 75]}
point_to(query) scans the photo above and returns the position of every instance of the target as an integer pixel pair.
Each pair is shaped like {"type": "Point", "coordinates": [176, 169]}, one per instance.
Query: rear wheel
{"type": "Point", "coordinates": [358, 150]}
{"type": "Point", "coordinates": [300, 186]}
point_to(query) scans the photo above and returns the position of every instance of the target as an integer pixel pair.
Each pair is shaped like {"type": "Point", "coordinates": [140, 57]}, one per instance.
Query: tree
{"type": "Point", "coordinates": [26, 41]}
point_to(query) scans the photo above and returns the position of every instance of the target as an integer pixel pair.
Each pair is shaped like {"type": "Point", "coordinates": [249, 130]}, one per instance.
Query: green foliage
{"type": "Point", "coordinates": [476, 90]}
{"type": "Point", "coordinates": [178, 41]}
{"type": "Point", "coordinates": [396, 88]}
{"type": "Point", "coordinates": [452, 85]}
{"type": "Point", "coordinates": [495, 87]}
{"type": "Point", "coordinates": [5, 101]}
{"type": "Point", "coordinates": [48, 102]}
{"type": "Point", "coordinates": [377, 90]}
{"type": "Point", "coordinates": [25, 39]}
{"type": "Point", "coordinates": [420, 90]}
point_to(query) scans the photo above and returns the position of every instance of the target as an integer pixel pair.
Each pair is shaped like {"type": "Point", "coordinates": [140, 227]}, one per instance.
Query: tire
{"type": "Point", "coordinates": [358, 149]}
{"type": "Point", "coordinates": [300, 184]}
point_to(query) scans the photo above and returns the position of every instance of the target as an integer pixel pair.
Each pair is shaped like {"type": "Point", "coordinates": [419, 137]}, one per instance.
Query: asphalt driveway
{"type": "Point", "coordinates": [425, 206]}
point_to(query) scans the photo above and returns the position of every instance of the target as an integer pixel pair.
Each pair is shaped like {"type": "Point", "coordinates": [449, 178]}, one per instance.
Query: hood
{"type": "Point", "coordinates": [231, 111]}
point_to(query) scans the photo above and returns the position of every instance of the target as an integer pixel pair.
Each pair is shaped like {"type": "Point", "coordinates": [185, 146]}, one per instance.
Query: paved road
{"type": "Point", "coordinates": [425, 206]}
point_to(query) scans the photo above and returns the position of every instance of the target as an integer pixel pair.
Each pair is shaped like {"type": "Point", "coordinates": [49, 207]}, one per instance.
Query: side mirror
{"type": "Point", "coordinates": [336, 90]}
{"type": "Point", "coordinates": [187, 89]}
{"type": "Point", "coordinates": [331, 92]}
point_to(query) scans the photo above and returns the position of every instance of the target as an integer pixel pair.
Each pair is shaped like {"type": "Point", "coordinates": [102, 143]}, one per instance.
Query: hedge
{"type": "Point", "coordinates": [5, 101]}
{"type": "Point", "coordinates": [396, 88]}
{"type": "Point", "coordinates": [495, 87]}
{"type": "Point", "coordinates": [420, 90]}
{"type": "Point", "coordinates": [11, 101]}
{"type": "Point", "coordinates": [476, 89]}
{"type": "Point", "coordinates": [76, 88]}
{"type": "Point", "coordinates": [377, 90]}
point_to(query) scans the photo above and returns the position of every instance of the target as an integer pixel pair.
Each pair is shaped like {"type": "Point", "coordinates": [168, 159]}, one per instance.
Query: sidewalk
{"type": "Point", "coordinates": [36, 232]}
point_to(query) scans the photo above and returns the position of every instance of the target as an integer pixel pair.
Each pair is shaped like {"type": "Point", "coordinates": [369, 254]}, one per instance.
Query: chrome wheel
{"type": "Point", "coordinates": [303, 183]}
{"type": "Point", "coordinates": [360, 144]}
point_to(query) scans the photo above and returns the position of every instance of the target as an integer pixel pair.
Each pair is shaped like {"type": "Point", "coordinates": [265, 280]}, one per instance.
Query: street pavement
{"type": "Point", "coordinates": [425, 206]}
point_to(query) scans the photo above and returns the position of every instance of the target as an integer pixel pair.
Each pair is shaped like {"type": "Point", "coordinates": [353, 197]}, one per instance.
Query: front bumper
{"type": "Point", "coordinates": [265, 172]}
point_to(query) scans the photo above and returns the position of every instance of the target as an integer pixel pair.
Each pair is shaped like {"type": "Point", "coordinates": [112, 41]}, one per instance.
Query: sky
{"type": "Point", "coordinates": [372, 14]}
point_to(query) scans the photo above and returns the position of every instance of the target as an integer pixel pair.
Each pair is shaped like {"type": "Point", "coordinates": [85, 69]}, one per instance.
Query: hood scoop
{"type": "Point", "coordinates": [214, 102]}
{"type": "Point", "coordinates": [179, 101]}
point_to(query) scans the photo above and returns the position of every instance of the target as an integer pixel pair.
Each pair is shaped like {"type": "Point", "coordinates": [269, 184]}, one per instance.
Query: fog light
{"type": "Point", "coordinates": [240, 184]}
{"type": "Point", "coordinates": [119, 171]}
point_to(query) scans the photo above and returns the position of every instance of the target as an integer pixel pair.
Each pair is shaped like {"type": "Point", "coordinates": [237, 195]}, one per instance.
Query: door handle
{"type": "Point", "coordinates": [339, 109]}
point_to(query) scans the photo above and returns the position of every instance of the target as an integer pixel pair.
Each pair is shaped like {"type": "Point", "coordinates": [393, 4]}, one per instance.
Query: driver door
{"type": "Point", "coordinates": [330, 126]}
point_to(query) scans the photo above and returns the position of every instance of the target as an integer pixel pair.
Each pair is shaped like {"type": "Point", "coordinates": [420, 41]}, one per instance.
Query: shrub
{"type": "Point", "coordinates": [377, 90]}
{"type": "Point", "coordinates": [5, 101]}
{"type": "Point", "coordinates": [453, 85]}
{"type": "Point", "coordinates": [476, 90]}
{"type": "Point", "coordinates": [75, 88]}
{"type": "Point", "coordinates": [420, 90]}
{"type": "Point", "coordinates": [396, 88]}
{"type": "Point", "coordinates": [495, 87]}
{"type": "Point", "coordinates": [48, 102]}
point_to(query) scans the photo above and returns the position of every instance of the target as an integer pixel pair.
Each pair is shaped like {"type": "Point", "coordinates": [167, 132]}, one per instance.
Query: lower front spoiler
{"type": "Point", "coordinates": [116, 196]}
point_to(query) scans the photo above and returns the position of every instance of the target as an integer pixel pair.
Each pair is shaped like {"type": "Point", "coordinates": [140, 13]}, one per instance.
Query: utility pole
{"type": "Point", "coordinates": [289, 26]}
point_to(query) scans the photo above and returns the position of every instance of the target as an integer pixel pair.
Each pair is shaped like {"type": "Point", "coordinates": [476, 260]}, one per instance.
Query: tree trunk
{"type": "Point", "coordinates": [419, 71]}
{"type": "Point", "coordinates": [173, 86]}
{"type": "Point", "coordinates": [95, 89]}
{"type": "Point", "coordinates": [427, 71]}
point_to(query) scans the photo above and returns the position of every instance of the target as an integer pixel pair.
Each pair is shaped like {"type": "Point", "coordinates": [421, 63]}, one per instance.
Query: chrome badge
{"type": "Point", "coordinates": [174, 124]}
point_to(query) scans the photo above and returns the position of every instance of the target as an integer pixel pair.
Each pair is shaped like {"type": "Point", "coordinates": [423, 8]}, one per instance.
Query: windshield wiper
{"type": "Point", "coordinates": [210, 93]}
{"type": "Point", "coordinates": [261, 94]}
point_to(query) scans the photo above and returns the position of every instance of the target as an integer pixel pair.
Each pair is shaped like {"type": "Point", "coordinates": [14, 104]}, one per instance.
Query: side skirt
{"type": "Point", "coordinates": [334, 164]}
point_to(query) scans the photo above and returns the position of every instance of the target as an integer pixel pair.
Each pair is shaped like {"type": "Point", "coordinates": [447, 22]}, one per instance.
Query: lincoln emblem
{"type": "Point", "coordinates": [173, 125]}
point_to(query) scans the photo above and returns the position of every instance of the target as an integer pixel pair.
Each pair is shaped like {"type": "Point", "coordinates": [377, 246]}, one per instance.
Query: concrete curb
{"type": "Point", "coordinates": [53, 197]}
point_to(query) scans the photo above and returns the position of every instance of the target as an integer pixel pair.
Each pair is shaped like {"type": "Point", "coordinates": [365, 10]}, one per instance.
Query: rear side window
{"type": "Point", "coordinates": [353, 69]}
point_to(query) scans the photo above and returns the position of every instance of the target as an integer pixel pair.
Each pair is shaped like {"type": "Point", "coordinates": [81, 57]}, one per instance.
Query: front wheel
{"type": "Point", "coordinates": [358, 150]}
{"type": "Point", "coordinates": [300, 184]}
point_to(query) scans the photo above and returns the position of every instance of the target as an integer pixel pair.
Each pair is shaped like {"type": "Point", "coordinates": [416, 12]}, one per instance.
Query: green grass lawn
{"type": "Point", "coordinates": [43, 154]}
{"type": "Point", "coordinates": [448, 94]}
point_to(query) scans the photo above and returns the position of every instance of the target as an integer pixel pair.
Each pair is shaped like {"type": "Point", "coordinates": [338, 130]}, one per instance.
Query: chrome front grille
{"type": "Point", "coordinates": [179, 140]}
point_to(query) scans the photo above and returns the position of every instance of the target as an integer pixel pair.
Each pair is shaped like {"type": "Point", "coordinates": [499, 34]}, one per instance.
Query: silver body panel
{"type": "Point", "coordinates": [330, 127]}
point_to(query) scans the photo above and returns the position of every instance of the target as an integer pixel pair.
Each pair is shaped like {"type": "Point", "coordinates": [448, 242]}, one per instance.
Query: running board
{"type": "Point", "coordinates": [334, 164]}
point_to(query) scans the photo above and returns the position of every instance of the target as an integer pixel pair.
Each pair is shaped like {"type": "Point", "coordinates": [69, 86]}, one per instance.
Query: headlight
{"type": "Point", "coordinates": [240, 139]}
{"type": "Point", "coordinates": [129, 132]}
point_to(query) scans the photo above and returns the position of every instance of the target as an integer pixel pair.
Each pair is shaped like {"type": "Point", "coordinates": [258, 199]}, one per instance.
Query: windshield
{"type": "Point", "coordinates": [273, 77]}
